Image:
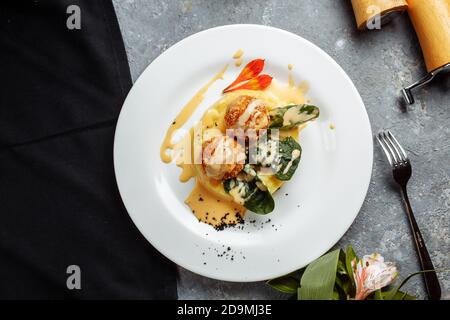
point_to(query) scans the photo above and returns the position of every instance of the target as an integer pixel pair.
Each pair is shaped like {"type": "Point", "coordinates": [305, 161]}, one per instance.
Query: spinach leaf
{"type": "Point", "coordinates": [260, 202]}
{"type": "Point", "coordinates": [296, 115]}
{"type": "Point", "coordinates": [256, 200]}
{"type": "Point", "coordinates": [289, 158]}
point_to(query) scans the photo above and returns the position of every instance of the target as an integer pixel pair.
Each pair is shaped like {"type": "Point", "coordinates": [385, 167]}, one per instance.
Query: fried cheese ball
{"type": "Point", "coordinates": [246, 112]}
{"type": "Point", "coordinates": [222, 158]}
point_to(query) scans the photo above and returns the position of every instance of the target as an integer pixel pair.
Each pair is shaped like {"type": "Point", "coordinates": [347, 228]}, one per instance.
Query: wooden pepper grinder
{"type": "Point", "coordinates": [431, 20]}
{"type": "Point", "coordinates": [367, 11]}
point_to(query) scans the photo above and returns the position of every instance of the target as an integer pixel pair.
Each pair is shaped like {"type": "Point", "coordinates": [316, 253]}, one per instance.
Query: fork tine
{"type": "Point", "coordinates": [385, 148]}
{"type": "Point", "coordinates": [394, 148]}
{"type": "Point", "coordinates": [398, 146]}
{"type": "Point", "coordinates": [395, 158]}
{"type": "Point", "coordinates": [394, 152]}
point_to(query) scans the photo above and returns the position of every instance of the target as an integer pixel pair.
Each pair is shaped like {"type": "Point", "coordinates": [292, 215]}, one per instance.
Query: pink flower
{"type": "Point", "coordinates": [372, 273]}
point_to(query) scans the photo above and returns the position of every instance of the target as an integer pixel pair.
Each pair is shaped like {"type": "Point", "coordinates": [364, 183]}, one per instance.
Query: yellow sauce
{"type": "Point", "coordinates": [291, 76]}
{"type": "Point", "coordinates": [303, 86]}
{"type": "Point", "coordinates": [238, 57]}
{"type": "Point", "coordinates": [184, 116]}
{"type": "Point", "coordinates": [238, 54]}
{"type": "Point", "coordinates": [287, 94]}
{"type": "Point", "coordinates": [290, 133]}
{"type": "Point", "coordinates": [212, 209]}
{"type": "Point", "coordinates": [184, 159]}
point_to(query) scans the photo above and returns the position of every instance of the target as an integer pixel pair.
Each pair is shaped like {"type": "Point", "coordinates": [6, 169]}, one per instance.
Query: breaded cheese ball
{"type": "Point", "coordinates": [223, 158]}
{"type": "Point", "coordinates": [246, 112]}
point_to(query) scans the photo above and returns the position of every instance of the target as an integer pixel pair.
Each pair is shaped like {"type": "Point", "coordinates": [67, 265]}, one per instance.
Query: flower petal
{"type": "Point", "coordinates": [251, 70]}
{"type": "Point", "coordinates": [261, 82]}
{"type": "Point", "coordinates": [372, 273]}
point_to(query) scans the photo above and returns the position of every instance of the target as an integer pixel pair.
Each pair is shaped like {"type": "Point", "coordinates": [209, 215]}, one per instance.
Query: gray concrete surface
{"type": "Point", "coordinates": [379, 63]}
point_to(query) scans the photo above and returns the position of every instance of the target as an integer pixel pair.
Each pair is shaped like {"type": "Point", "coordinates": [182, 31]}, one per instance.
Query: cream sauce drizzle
{"type": "Point", "coordinates": [238, 54]}
{"type": "Point", "coordinates": [238, 57]}
{"type": "Point", "coordinates": [184, 116]}
{"type": "Point", "coordinates": [294, 155]}
{"type": "Point", "coordinates": [291, 76]}
{"type": "Point", "coordinates": [245, 116]}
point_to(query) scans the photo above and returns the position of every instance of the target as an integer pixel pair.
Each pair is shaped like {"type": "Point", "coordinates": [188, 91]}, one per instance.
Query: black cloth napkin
{"type": "Point", "coordinates": [61, 94]}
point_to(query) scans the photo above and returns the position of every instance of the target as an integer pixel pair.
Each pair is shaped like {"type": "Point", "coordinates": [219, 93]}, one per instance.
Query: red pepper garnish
{"type": "Point", "coordinates": [261, 82]}
{"type": "Point", "coordinates": [251, 70]}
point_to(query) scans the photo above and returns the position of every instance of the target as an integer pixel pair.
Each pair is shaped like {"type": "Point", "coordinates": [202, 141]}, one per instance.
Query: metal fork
{"type": "Point", "coordinates": [401, 170]}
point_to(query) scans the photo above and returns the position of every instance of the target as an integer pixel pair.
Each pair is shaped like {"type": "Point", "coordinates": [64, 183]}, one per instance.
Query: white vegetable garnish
{"type": "Point", "coordinates": [294, 155]}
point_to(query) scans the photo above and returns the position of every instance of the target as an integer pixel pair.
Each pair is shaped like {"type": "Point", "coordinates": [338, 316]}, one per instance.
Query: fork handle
{"type": "Point", "coordinates": [431, 280]}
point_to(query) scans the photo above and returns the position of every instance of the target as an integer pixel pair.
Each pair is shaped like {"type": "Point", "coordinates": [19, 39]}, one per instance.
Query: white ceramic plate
{"type": "Point", "coordinates": [323, 198]}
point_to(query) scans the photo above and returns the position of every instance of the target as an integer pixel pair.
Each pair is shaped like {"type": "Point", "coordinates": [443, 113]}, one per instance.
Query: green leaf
{"type": "Point", "coordinates": [341, 268]}
{"type": "Point", "coordinates": [377, 295]}
{"type": "Point", "coordinates": [336, 295]}
{"type": "Point", "coordinates": [350, 255]}
{"type": "Point", "coordinates": [260, 202]}
{"type": "Point", "coordinates": [344, 284]}
{"type": "Point", "coordinates": [288, 117]}
{"type": "Point", "coordinates": [256, 200]}
{"type": "Point", "coordinates": [318, 280]}
{"type": "Point", "coordinates": [288, 164]}
{"type": "Point", "coordinates": [398, 295]}
{"type": "Point", "coordinates": [391, 295]}
{"type": "Point", "coordinates": [285, 284]}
